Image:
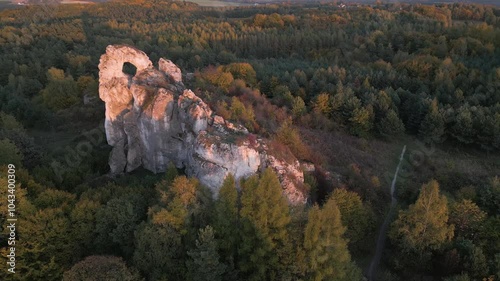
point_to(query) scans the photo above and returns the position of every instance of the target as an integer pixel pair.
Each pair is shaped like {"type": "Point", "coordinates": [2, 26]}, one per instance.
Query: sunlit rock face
{"type": "Point", "coordinates": [152, 121]}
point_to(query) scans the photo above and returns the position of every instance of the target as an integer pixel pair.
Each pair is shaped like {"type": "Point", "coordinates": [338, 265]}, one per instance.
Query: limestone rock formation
{"type": "Point", "coordinates": [152, 120]}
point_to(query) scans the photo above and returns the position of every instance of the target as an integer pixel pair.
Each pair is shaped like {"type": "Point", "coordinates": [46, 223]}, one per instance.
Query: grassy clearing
{"type": "Point", "coordinates": [7, 4]}
{"type": "Point", "coordinates": [76, 2]}
{"type": "Point", "coordinates": [339, 150]}
{"type": "Point", "coordinates": [52, 141]}
{"type": "Point", "coordinates": [452, 166]}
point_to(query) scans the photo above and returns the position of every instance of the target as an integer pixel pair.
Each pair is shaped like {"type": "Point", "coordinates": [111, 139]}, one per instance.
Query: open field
{"type": "Point", "coordinates": [216, 3]}
{"type": "Point", "coordinates": [484, 2]}
{"type": "Point", "coordinates": [6, 4]}
{"type": "Point", "coordinates": [75, 2]}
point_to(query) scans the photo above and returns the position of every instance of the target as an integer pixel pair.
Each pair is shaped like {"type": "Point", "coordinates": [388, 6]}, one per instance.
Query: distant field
{"type": "Point", "coordinates": [223, 3]}
{"type": "Point", "coordinates": [216, 3]}
{"type": "Point", "coordinates": [75, 2]}
{"type": "Point", "coordinates": [485, 2]}
{"type": "Point", "coordinates": [6, 4]}
{"type": "Point", "coordinates": [206, 3]}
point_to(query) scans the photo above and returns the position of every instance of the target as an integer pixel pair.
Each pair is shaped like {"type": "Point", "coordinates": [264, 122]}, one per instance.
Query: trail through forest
{"type": "Point", "coordinates": [383, 229]}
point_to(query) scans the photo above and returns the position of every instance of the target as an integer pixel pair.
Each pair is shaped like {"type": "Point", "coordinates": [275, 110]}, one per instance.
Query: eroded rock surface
{"type": "Point", "coordinates": [152, 120]}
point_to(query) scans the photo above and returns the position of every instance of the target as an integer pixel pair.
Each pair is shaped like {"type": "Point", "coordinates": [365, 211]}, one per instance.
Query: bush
{"type": "Point", "coordinates": [10, 153]}
{"type": "Point", "coordinates": [96, 268]}
{"type": "Point", "coordinates": [290, 137]}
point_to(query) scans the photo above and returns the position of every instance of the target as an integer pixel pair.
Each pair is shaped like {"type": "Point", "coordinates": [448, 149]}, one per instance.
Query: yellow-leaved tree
{"type": "Point", "coordinates": [424, 226]}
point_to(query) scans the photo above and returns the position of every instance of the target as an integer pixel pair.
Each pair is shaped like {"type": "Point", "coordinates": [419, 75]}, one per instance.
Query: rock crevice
{"type": "Point", "coordinates": [152, 120]}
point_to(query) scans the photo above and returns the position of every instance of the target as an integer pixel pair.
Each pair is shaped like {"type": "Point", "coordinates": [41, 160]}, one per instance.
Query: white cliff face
{"type": "Point", "coordinates": [152, 121]}
{"type": "Point", "coordinates": [291, 178]}
{"type": "Point", "coordinates": [213, 158]}
{"type": "Point", "coordinates": [169, 67]}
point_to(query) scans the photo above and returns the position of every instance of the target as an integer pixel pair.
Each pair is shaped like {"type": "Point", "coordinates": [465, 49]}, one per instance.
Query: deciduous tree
{"type": "Point", "coordinates": [424, 226]}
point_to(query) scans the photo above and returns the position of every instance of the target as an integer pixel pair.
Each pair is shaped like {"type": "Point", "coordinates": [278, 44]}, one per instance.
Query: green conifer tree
{"type": "Point", "coordinates": [326, 250]}
{"type": "Point", "coordinates": [391, 125]}
{"type": "Point", "coordinates": [432, 128]}
{"type": "Point", "coordinates": [226, 222]}
{"type": "Point", "coordinates": [265, 216]}
{"type": "Point", "coordinates": [204, 264]}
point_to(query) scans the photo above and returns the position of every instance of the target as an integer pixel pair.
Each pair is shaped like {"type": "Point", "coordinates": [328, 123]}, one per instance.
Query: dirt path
{"type": "Point", "coordinates": [383, 229]}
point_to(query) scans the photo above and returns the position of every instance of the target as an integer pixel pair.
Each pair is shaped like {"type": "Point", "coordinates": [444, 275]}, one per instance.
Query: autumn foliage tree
{"type": "Point", "coordinates": [355, 215]}
{"type": "Point", "coordinates": [265, 216]}
{"type": "Point", "coordinates": [326, 250]}
{"type": "Point", "coordinates": [61, 91]}
{"type": "Point", "coordinates": [424, 225]}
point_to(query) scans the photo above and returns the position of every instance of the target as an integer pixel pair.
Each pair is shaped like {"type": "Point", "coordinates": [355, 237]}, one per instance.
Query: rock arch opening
{"type": "Point", "coordinates": [129, 68]}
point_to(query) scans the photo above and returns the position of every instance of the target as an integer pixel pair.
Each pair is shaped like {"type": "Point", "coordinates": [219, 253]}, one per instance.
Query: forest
{"type": "Point", "coordinates": [342, 88]}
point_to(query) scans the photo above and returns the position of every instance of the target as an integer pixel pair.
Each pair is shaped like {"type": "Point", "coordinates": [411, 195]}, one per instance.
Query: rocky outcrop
{"type": "Point", "coordinates": [152, 121]}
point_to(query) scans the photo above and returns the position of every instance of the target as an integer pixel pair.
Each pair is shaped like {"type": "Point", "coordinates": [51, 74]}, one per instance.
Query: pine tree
{"type": "Point", "coordinates": [391, 125]}
{"type": "Point", "coordinates": [473, 260]}
{"type": "Point", "coordinates": [361, 121]}
{"type": "Point", "coordinates": [298, 107]}
{"type": "Point", "coordinates": [326, 250]}
{"type": "Point", "coordinates": [322, 104]}
{"type": "Point", "coordinates": [171, 173]}
{"type": "Point", "coordinates": [463, 129]}
{"type": "Point", "coordinates": [355, 216]}
{"type": "Point", "coordinates": [159, 253]}
{"type": "Point", "coordinates": [432, 128]}
{"type": "Point", "coordinates": [204, 264]}
{"type": "Point", "coordinates": [467, 218]}
{"type": "Point", "coordinates": [265, 216]}
{"type": "Point", "coordinates": [226, 221]}
{"type": "Point", "coordinates": [115, 226]}
{"type": "Point", "coordinates": [10, 153]}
